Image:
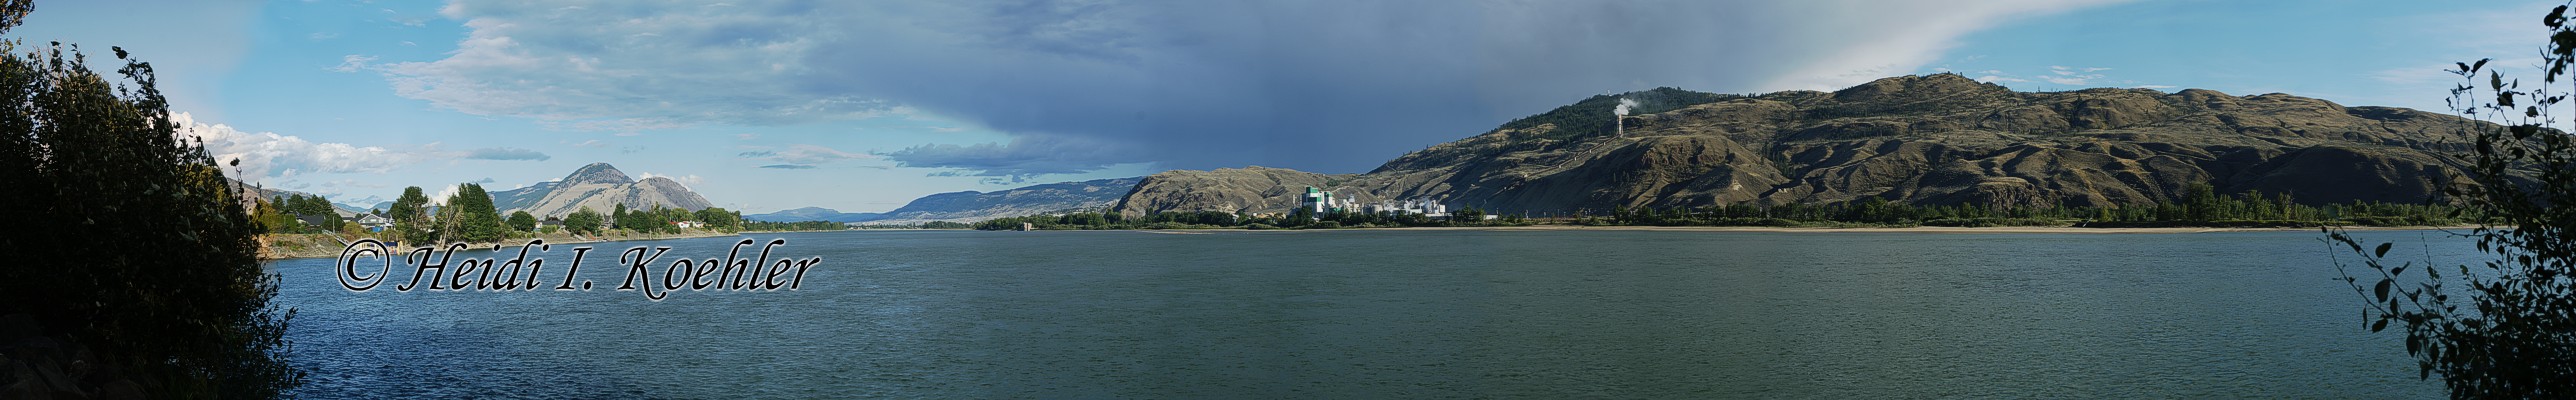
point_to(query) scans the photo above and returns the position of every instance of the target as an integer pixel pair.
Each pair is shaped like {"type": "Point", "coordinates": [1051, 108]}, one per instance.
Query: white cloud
{"type": "Point", "coordinates": [269, 157]}
{"type": "Point", "coordinates": [2071, 76]}
{"type": "Point", "coordinates": [684, 180]}
{"type": "Point", "coordinates": [353, 63]}
{"type": "Point", "coordinates": [268, 154]}
{"type": "Point", "coordinates": [813, 154]}
{"type": "Point", "coordinates": [445, 192]}
{"type": "Point", "coordinates": [2081, 80]}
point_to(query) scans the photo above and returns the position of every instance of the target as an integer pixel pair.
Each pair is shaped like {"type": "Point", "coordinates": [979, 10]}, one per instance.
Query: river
{"type": "Point", "coordinates": [1397, 313]}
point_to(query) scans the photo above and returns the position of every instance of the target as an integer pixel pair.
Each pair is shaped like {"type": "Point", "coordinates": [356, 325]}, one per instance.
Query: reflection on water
{"type": "Point", "coordinates": [1405, 313]}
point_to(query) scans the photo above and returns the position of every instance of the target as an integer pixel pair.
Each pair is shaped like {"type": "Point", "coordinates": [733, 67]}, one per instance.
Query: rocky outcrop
{"type": "Point", "coordinates": [1935, 139]}
{"type": "Point", "coordinates": [1251, 189]}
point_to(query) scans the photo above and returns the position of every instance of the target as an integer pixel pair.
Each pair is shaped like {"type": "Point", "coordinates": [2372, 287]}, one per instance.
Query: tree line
{"type": "Point", "coordinates": [283, 214]}
{"type": "Point", "coordinates": [470, 216]}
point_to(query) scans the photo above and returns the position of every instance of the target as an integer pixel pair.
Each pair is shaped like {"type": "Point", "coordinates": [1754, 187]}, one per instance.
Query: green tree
{"type": "Point", "coordinates": [719, 218]}
{"type": "Point", "coordinates": [410, 213]}
{"type": "Point", "coordinates": [2512, 333]}
{"type": "Point", "coordinates": [582, 221]}
{"type": "Point", "coordinates": [643, 221]}
{"type": "Point", "coordinates": [97, 166]}
{"type": "Point", "coordinates": [273, 218]}
{"type": "Point", "coordinates": [301, 206]}
{"type": "Point", "coordinates": [617, 219]}
{"type": "Point", "coordinates": [469, 216]}
{"type": "Point", "coordinates": [522, 221]}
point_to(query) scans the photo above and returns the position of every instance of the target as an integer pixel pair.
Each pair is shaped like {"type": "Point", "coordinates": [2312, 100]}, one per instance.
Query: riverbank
{"type": "Point", "coordinates": [314, 245]}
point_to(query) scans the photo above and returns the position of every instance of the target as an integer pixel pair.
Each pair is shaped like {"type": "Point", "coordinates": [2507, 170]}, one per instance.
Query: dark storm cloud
{"type": "Point", "coordinates": [1022, 158]}
{"type": "Point", "coordinates": [1328, 86]}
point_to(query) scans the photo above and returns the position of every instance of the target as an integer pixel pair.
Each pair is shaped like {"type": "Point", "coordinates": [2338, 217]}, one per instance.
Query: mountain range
{"type": "Point", "coordinates": [1933, 139]}
{"type": "Point", "coordinates": [971, 206]}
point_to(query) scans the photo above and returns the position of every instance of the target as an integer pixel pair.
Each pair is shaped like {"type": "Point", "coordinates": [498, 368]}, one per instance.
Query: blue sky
{"type": "Point", "coordinates": [862, 106]}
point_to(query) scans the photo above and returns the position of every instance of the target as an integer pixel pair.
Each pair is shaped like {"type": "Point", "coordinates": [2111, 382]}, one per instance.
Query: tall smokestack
{"type": "Point", "coordinates": [1622, 115]}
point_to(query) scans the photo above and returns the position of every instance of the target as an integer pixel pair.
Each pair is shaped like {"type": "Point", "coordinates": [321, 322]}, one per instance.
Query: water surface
{"type": "Point", "coordinates": [1400, 313]}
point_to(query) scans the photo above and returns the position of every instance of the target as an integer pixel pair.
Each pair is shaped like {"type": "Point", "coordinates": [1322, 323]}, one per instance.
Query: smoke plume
{"type": "Point", "coordinates": [1624, 105]}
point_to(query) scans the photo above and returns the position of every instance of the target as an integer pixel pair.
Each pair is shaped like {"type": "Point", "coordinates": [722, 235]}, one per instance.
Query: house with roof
{"type": "Point", "coordinates": [374, 223]}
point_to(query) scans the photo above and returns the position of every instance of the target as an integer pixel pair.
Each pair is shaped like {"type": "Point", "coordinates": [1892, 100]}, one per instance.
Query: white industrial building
{"type": "Point", "coordinates": [1424, 207]}
{"type": "Point", "coordinates": [1321, 201]}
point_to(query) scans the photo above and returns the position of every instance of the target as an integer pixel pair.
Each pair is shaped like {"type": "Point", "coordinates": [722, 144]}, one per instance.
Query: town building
{"type": "Point", "coordinates": [374, 223]}
{"type": "Point", "coordinates": [1424, 207]}
{"type": "Point", "coordinates": [1323, 201]}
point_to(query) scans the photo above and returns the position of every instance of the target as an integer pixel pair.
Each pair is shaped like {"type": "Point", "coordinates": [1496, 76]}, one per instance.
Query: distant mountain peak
{"type": "Point", "coordinates": [600, 187]}
{"type": "Point", "coordinates": [598, 173]}
{"type": "Point", "coordinates": [1919, 87]}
